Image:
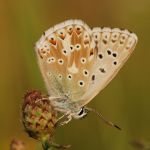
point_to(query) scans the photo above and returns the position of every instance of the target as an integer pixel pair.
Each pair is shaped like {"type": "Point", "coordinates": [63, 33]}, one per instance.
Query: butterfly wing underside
{"type": "Point", "coordinates": [62, 54]}
{"type": "Point", "coordinates": [113, 46]}
{"type": "Point", "coordinates": [79, 62]}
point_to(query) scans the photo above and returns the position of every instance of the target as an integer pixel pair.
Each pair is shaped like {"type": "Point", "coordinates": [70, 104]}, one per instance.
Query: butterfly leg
{"type": "Point", "coordinates": [66, 116]}
{"type": "Point", "coordinates": [47, 144]}
{"type": "Point", "coordinates": [58, 146]}
{"type": "Point", "coordinates": [69, 118]}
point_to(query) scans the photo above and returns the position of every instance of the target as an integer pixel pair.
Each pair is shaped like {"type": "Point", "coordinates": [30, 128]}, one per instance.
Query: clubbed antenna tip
{"type": "Point", "coordinates": [103, 119]}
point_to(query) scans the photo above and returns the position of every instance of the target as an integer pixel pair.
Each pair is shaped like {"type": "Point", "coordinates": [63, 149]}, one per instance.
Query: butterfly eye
{"type": "Point", "coordinates": [81, 111]}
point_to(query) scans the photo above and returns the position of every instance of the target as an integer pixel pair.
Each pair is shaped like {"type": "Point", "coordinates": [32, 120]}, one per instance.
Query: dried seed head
{"type": "Point", "coordinates": [38, 116]}
{"type": "Point", "coordinates": [17, 145]}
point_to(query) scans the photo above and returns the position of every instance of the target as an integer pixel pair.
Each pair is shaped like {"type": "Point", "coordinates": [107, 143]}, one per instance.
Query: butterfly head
{"type": "Point", "coordinates": [81, 113]}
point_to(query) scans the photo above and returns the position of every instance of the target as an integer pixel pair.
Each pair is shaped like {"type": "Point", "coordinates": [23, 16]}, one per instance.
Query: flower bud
{"type": "Point", "coordinates": [38, 116]}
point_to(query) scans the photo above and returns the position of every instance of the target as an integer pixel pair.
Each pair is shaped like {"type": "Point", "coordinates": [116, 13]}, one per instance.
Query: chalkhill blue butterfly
{"type": "Point", "coordinates": [77, 62]}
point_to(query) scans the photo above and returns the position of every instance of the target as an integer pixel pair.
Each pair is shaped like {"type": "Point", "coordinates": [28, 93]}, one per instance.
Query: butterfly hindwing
{"type": "Point", "coordinates": [114, 46]}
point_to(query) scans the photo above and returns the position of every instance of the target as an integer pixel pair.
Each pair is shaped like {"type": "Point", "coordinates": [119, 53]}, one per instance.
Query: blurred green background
{"type": "Point", "coordinates": [125, 101]}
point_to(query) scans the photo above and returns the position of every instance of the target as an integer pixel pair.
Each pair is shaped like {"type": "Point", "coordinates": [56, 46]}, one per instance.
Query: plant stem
{"type": "Point", "coordinates": [46, 144]}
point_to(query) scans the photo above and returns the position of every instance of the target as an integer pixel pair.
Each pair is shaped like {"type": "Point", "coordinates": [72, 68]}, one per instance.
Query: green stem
{"type": "Point", "coordinates": [58, 146]}
{"type": "Point", "coordinates": [46, 145]}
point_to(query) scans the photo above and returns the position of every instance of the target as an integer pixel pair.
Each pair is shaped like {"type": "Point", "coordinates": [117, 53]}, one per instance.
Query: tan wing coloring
{"type": "Point", "coordinates": [78, 62]}
{"type": "Point", "coordinates": [65, 58]}
{"type": "Point", "coordinates": [113, 47]}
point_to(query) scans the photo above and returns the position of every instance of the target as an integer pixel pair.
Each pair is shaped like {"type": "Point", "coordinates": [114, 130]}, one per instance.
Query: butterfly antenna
{"type": "Point", "coordinates": [103, 119]}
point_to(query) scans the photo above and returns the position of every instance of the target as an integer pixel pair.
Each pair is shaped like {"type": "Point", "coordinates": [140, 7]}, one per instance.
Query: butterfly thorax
{"type": "Point", "coordinates": [64, 105]}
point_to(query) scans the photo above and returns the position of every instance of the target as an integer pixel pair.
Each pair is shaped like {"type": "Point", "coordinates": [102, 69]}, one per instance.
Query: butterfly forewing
{"type": "Point", "coordinates": [114, 46]}
{"type": "Point", "coordinates": [66, 57]}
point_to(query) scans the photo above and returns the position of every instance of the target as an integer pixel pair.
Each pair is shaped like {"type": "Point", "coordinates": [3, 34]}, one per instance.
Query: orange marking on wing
{"type": "Point", "coordinates": [52, 41]}
{"type": "Point", "coordinates": [62, 36]}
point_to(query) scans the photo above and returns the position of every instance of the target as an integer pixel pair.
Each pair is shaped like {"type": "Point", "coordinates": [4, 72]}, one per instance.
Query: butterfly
{"type": "Point", "coordinates": [77, 62]}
